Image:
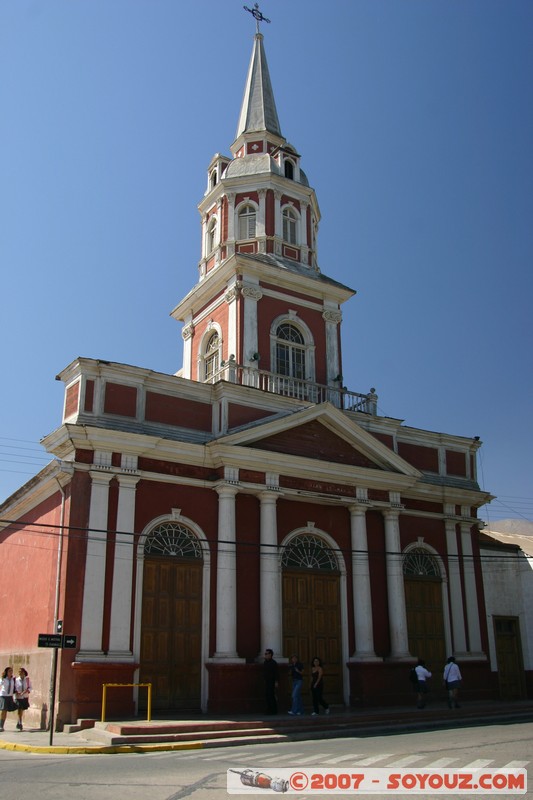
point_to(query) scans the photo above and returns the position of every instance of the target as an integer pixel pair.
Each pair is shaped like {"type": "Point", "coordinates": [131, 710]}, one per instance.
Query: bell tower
{"type": "Point", "coordinates": [262, 313]}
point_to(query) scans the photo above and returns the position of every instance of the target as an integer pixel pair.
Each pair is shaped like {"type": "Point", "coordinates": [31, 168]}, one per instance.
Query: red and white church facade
{"type": "Point", "coordinates": [189, 521]}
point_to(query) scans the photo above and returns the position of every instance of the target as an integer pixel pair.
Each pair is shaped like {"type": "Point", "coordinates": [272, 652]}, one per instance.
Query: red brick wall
{"type": "Point", "coordinates": [72, 399]}
{"type": "Point", "coordinates": [240, 415]}
{"type": "Point", "coordinates": [120, 400]}
{"type": "Point", "coordinates": [423, 458]}
{"type": "Point", "coordinates": [455, 463]}
{"type": "Point", "coordinates": [177, 411]}
{"type": "Point", "coordinates": [89, 396]}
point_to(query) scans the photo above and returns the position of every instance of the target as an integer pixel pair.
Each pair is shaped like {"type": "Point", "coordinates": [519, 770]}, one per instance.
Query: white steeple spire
{"type": "Point", "coordinates": [258, 111]}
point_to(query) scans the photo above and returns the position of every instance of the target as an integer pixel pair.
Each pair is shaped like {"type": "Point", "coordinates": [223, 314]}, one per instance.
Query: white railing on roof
{"type": "Point", "coordinates": [307, 391]}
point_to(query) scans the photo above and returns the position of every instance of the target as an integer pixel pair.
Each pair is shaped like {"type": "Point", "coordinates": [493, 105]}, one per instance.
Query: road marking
{"type": "Point", "coordinates": [228, 756]}
{"type": "Point", "coordinates": [314, 758]}
{"type": "Point", "coordinates": [294, 756]}
{"type": "Point", "coordinates": [442, 762]}
{"type": "Point", "coordinates": [366, 762]}
{"type": "Point", "coordinates": [515, 764]}
{"type": "Point", "coordinates": [481, 762]}
{"type": "Point", "coordinates": [406, 761]}
{"type": "Point", "coordinates": [342, 758]}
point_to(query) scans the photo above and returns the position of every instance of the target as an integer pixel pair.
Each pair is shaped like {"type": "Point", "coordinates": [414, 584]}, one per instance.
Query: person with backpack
{"type": "Point", "coordinates": [422, 676]}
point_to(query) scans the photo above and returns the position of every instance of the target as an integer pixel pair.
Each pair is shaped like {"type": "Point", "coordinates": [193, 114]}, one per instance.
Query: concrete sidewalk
{"type": "Point", "coordinates": [202, 731]}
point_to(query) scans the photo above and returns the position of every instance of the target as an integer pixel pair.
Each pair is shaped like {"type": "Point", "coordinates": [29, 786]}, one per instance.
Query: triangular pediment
{"type": "Point", "coordinates": [323, 433]}
{"type": "Point", "coordinates": [314, 440]}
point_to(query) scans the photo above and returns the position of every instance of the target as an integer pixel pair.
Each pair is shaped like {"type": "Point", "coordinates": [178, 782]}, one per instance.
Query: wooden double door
{"type": "Point", "coordinates": [171, 638]}
{"type": "Point", "coordinates": [509, 658]}
{"type": "Point", "coordinates": [425, 621]}
{"type": "Point", "coordinates": [312, 626]}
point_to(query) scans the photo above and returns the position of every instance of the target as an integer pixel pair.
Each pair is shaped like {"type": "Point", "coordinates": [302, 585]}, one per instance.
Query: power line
{"type": "Point", "coordinates": [84, 533]}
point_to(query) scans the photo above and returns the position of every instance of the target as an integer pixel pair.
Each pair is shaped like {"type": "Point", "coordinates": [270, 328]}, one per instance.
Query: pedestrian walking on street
{"type": "Point", "coordinates": [452, 679]}
{"type": "Point", "coordinates": [7, 690]}
{"type": "Point", "coordinates": [296, 671]}
{"type": "Point", "coordinates": [270, 674]}
{"type": "Point", "coordinates": [22, 694]}
{"type": "Point", "coordinates": [423, 675]}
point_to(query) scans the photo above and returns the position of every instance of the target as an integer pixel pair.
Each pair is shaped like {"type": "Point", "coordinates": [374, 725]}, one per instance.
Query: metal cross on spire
{"type": "Point", "coordinates": [257, 15]}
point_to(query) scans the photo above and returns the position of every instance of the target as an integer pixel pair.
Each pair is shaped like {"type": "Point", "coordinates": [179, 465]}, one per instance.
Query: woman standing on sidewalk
{"type": "Point", "coordinates": [7, 690]}
{"type": "Point", "coordinates": [317, 686]}
{"type": "Point", "coordinates": [22, 693]}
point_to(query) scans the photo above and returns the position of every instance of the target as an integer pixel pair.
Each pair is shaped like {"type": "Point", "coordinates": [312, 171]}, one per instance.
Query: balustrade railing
{"type": "Point", "coordinates": [306, 391]}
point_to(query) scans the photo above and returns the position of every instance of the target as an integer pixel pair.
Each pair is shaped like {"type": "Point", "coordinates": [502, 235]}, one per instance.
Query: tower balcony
{"type": "Point", "coordinates": [305, 391]}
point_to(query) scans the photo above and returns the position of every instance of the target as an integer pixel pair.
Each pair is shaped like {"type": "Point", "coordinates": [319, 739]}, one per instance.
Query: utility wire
{"type": "Point", "coordinates": [84, 534]}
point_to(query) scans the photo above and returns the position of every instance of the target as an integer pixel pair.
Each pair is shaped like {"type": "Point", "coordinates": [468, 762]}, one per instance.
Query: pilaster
{"type": "Point", "coordinates": [95, 566]}
{"type": "Point", "coordinates": [395, 587]}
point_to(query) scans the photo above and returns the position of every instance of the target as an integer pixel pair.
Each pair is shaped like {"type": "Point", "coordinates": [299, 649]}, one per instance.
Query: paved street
{"type": "Point", "coordinates": [201, 775]}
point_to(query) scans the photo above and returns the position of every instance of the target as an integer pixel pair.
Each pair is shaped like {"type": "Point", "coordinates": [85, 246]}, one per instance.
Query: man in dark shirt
{"type": "Point", "coordinates": [270, 674]}
{"type": "Point", "coordinates": [296, 670]}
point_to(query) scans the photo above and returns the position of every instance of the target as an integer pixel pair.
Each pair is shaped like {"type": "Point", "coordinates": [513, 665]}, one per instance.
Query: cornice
{"type": "Point", "coordinates": [42, 486]}
{"type": "Point", "coordinates": [306, 468]}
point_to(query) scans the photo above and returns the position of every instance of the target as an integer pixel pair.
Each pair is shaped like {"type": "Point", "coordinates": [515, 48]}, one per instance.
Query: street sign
{"type": "Point", "coordinates": [69, 641]}
{"type": "Point", "coordinates": [50, 640]}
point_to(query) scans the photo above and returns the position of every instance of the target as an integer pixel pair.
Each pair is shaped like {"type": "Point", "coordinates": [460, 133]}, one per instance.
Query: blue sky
{"type": "Point", "coordinates": [414, 119]}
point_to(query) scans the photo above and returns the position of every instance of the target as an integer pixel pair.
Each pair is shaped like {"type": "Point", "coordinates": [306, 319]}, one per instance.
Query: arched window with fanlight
{"type": "Point", "coordinates": [419, 563]}
{"type": "Point", "coordinates": [307, 551]}
{"type": "Point", "coordinates": [211, 357]}
{"type": "Point", "coordinates": [290, 225]}
{"type": "Point", "coordinates": [174, 540]}
{"type": "Point", "coordinates": [247, 219]}
{"type": "Point", "coordinates": [290, 352]}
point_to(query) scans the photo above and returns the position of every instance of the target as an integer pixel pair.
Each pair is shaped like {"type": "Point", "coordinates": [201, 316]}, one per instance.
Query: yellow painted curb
{"type": "Point", "coordinates": [111, 749]}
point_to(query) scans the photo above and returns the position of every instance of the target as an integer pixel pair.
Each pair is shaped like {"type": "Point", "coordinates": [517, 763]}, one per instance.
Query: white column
{"type": "Point", "coordinates": [231, 216]}
{"type": "Point", "coordinates": [277, 221]}
{"type": "Point", "coordinates": [395, 587]}
{"type": "Point", "coordinates": [92, 616]}
{"type": "Point", "coordinates": [187, 336]}
{"type": "Point", "coordinates": [472, 609]}
{"type": "Point", "coordinates": [226, 616]}
{"type": "Point", "coordinates": [251, 295]}
{"type": "Point", "coordinates": [204, 235]}
{"type": "Point", "coordinates": [270, 577]}
{"type": "Point", "coordinates": [455, 589]}
{"type": "Point", "coordinates": [230, 297]}
{"type": "Point", "coordinates": [302, 238]}
{"type": "Point", "coordinates": [119, 634]}
{"type": "Point", "coordinates": [332, 318]}
{"type": "Point", "coordinates": [261, 216]}
{"type": "Point", "coordinates": [218, 233]}
{"type": "Point", "coordinates": [362, 599]}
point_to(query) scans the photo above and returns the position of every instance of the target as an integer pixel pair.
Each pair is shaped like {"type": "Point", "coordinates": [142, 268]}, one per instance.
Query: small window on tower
{"type": "Point", "coordinates": [212, 358]}
{"type": "Point", "coordinates": [211, 235]}
{"type": "Point", "coordinates": [289, 169]}
{"type": "Point", "coordinates": [289, 225]}
{"type": "Point", "coordinates": [247, 221]}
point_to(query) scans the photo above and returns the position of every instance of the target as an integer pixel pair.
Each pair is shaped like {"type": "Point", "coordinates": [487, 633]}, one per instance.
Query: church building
{"type": "Point", "coordinates": [189, 521]}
